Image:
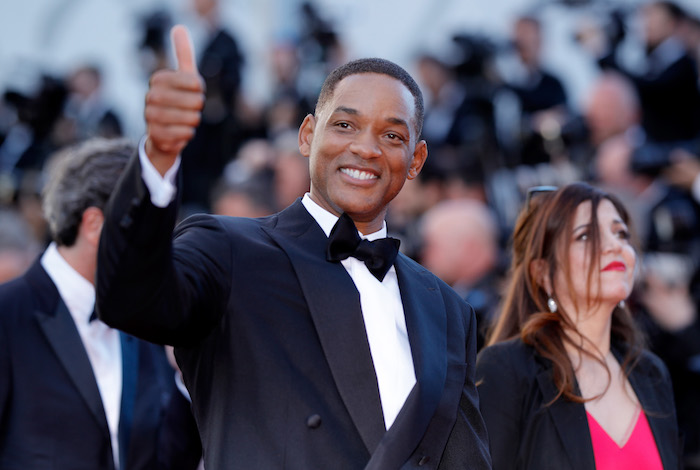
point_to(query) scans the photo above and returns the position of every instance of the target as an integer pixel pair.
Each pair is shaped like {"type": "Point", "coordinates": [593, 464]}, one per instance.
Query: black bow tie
{"type": "Point", "coordinates": [344, 241]}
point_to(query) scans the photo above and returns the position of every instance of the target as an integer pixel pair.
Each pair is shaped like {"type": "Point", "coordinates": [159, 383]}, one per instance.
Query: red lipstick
{"type": "Point", "coordinates": [615, 266]}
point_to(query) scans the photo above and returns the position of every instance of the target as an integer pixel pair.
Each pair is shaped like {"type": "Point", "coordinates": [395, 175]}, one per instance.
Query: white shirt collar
{"type": "Point", "coordinates": [327, 220]}
{"type": "Point", "coordinates": [77, 292]}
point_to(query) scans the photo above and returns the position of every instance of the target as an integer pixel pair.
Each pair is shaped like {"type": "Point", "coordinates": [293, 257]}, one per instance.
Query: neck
{"type": "Point", "coordinates": [77, 257]}
{"type": "Point", "coordinates": [595, 327]}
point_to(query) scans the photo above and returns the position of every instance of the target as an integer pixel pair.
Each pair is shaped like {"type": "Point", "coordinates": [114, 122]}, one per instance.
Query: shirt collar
{"type": "Point", "coordinates": [327, 220]}
{"type": "Point", "coordinates": [77, 292]}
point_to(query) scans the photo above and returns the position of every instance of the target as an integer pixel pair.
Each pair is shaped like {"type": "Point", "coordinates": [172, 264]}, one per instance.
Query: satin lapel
{"type": "Point", "coordinates": [62, 334]}
{"type": "Point", "coordinates": [570, 422]}
{"type": "Point", "coordinates": [426, 324]}
{"type": "Point", "coordinates": [130, 372]}
{"type": "Point", "coordinates": [334, 304]}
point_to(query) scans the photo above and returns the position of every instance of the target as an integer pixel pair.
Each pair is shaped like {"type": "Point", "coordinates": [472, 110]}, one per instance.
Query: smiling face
{"type": "Point", "coordinates": [613, 271]}
{"type": "Point", "coordinates": [362, 145]}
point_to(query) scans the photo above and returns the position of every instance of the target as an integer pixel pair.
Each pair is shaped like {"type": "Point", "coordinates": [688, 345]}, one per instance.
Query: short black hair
{"type": "Point", "coordinates": [373, 65]}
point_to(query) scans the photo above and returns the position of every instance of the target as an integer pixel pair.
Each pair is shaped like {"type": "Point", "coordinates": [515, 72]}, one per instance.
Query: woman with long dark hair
{"type": "Point", "coordinates": [565, 382]}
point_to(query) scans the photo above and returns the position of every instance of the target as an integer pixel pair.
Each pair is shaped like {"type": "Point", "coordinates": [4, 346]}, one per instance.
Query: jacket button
{"type": "Point", "coordinates": [423, 460]}
{"type": "Point", "coordinates": [313, 421]}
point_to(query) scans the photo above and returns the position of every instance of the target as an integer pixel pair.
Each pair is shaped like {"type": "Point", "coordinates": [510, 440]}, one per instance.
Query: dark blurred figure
{"type": "Point", "coordinates": [75, 393]}
{"type": "Point", "coordinates": [288, 104]}
{"type": "Point", "coordinates": [153, 50]}
{"type": "Point", "coordinates": [86, 112]}
{"type": "Point", "coordinates": [666, 216]}
{"type": "Point", "coordinates": [216, 139]}
{"type": "Point", "coordinates": [541, 95]}
{"type": "Point", "coordinates": [689, 33]}
{"type": "Point", "coordinates": [461, 247]}
{"type": "Point", "coordinates": [30, 134]}
{"type": "Point", "coordinates": [668, 89]}
{"type": "Point", "coordinates": [459, 120]}
{"type": "Point", "coordinates": [18, 247]}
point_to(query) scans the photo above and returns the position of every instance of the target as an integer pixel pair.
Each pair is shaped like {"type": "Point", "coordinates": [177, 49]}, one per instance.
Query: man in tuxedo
{"type": "Point", "coordinates": [299, 350]}
{"type": "Point", "coordinates": [75, 393]}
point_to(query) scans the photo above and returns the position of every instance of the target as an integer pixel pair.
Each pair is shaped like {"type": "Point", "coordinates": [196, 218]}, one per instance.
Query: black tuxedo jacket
{"type": "Point", "coordinates": [515, 383]}
{"type": "Point", "coordinates": [51, 412]}
{"type": "Point", "coordinates": [272, 344]}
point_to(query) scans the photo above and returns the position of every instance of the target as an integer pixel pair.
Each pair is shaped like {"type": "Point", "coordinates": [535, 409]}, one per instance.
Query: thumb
{"type": "Point", "coordinates": [184, 52]}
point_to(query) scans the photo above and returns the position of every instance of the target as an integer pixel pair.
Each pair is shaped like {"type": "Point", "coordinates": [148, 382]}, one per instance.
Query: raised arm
{"type": "Point", "coordinates": [146, 285]}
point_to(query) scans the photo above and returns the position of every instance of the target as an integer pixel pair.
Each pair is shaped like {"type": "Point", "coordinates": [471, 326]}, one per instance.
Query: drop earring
{"type": "Point", "coordinates": [622, 303]}
{"type": "Point", "coordinates": [551, 304]}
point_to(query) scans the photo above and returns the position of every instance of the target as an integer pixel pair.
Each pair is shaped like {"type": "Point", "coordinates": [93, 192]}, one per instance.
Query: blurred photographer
{"type": "Point", "coordinates": [668, 87]}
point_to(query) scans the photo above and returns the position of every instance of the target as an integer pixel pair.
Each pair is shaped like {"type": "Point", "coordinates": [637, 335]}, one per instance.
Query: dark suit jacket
{"type": "Point", "coordinates": [272, 343]}
{"type": "Point", "coordinates": [514, 385]}
{"type": "Point", "coordinates": [51, 413]}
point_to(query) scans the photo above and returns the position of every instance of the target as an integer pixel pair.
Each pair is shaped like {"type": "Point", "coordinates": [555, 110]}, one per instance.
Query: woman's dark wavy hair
{"type": "Point", "coordinates": [543, 231]}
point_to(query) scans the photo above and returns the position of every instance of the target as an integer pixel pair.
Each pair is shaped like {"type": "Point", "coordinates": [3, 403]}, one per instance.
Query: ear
{"type": "Point", "coordinates": [306, 134]}
{"type": "Point", "coordinates": [540, 273]}
{"type": "Point", "coordinates": [420, 154]}
{"type": "Point", "coordinates": [91, 225]}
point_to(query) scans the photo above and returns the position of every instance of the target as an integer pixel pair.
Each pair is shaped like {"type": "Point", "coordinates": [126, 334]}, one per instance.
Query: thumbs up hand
{"type": "Point", "coordinates": [173, 104]}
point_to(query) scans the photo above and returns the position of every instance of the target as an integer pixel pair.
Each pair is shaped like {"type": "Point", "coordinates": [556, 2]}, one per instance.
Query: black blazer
{"type": "Point", "coordinates": [272, 345]}
{"type": "Point", "coordinates": [51, 413]}
{"type": "Point", "coordinates": [514, 385]}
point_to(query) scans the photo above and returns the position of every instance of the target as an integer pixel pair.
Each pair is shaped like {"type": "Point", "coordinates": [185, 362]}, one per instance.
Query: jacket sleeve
{"type": "Point", "coordinates": [162, 290]}
{"type": "Point", "coordinates": [469, 440]}
{"type": "Point", "coordinates": [501, 401]}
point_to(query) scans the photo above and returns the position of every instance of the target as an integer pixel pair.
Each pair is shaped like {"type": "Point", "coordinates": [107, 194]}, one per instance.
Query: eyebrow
{"type": "Point", "coordinates": [354, 112]}
{"type": "Point", "coordinates": [615, 222]}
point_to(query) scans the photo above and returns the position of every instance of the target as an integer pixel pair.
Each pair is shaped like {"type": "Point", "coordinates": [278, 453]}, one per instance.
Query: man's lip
{"type": "Point", "coordinates": [615, 266]}
{"type": "Point", "coordinates": [360, 170]}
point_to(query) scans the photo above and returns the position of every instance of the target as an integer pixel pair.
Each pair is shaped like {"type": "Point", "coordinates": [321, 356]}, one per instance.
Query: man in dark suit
{"type": "Point", "coordinates": [296, 353]}
{"type": "Point", "coordinates": [74, 393]}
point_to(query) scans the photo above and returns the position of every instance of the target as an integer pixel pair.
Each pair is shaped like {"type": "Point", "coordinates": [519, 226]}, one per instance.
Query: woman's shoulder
{"type": "Point", "coordinates": [514, 347]}
{"type": "Point", "coordinates": [512, 354]}
{"type": "Point", "coordinates": [652, 365]}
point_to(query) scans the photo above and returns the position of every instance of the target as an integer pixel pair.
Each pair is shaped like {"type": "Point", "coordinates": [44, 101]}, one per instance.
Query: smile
{"type": "Point", "coordinates": [615, 266]}
{"type": "Point", "coordinates": [359, 175]}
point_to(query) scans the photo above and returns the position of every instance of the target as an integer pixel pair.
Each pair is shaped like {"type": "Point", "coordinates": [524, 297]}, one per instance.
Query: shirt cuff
{"type": "Point", "coordinates": [181, 386]}
{"type": "Point", "coordinates": [161, 188]}
{"type": "Point", "coordinates": [695, 188]}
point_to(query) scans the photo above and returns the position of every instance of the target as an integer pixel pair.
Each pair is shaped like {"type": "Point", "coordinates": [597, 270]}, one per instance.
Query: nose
{"type": "Point", "coordinates": [611, 242]}
{"type": "Point", "coordinates": [365, 145]}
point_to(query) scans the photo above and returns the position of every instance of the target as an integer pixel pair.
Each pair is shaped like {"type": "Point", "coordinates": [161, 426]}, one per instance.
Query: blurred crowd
{"type": "Point", "coordinates": [497, 123]}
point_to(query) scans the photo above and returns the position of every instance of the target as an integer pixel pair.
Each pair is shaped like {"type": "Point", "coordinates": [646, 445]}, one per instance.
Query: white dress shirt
{"type": "Point", "coordinates": [101, 342]}
{"type": "Point", "coordinates": [384, 318]}
{"type": "Point", "coordinates": [382, 310]}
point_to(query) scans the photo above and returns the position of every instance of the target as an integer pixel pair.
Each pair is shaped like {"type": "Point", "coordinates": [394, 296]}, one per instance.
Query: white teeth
{"type": "Point", "coordinates": [357, 174]}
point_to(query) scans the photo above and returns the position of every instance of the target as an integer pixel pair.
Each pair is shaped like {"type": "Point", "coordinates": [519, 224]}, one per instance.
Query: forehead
{"type": "Point", "coordinates": [606, 212]}
{"type": "Point", "coordinates": [373, 94]}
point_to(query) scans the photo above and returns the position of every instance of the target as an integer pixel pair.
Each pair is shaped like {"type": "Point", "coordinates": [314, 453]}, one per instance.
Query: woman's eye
{"type": "Point", "coordinates": [623, 234]}
{"type": "Point", "coordinates": [583, 237]}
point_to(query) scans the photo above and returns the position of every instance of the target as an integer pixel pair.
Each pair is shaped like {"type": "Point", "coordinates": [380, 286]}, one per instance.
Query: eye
{"type": "Point", "coordinates": [583, 237]}
{"type": "Point", "coordinates": [396, 137]}
{"type": "Point", "coordinates": [623, 234]}
{"type": "Point", "coordinates": [343, 125]}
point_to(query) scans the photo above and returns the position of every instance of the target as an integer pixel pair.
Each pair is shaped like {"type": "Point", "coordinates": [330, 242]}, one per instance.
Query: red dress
{"type": "Point", "coordinates": [638, 453]}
